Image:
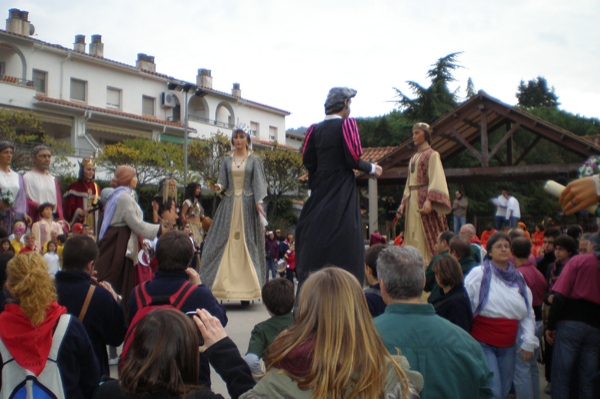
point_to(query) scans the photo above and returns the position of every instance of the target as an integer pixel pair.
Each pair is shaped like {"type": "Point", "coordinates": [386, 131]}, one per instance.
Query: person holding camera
{"type": "Point", "coordinates": [174, 252]}
{"type": "Point", "coordinates": [163, 361]}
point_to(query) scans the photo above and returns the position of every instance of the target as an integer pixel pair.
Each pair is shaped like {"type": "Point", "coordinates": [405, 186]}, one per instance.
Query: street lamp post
{"type": "Point", "coordinates": [186, 88]}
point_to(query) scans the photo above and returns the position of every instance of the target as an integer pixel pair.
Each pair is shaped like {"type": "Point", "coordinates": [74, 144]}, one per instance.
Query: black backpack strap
{"type": "Point", "coordinates": [182, 295]}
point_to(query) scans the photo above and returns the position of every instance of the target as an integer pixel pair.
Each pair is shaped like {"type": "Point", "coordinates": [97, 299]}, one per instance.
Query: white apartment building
{"type": "Point", "coordinates": [90, 101]}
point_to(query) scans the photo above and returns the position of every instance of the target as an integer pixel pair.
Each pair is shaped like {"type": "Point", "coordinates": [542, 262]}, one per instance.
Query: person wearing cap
{"type": "Point", "coordinates": [13, 201]}
{"type": "Point", "coordinates": [77, 228]}
{"type": "Point", "coordinates": [426, 200]}
{"type": "Point", "coordinates": [80, 201]}
{"type": "Point", "coordinates": [329, 229]}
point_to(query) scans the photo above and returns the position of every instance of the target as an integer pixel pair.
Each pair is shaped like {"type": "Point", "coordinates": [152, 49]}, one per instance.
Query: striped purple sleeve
{"type": "Point", "coordinates": [352, 138]}
{"type": "Point", "coordinates": [307, 137]}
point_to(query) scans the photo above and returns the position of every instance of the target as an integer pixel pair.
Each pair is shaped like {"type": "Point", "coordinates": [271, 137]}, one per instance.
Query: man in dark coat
{"type": "Point", "coordinates": [103, 317]}
{"type": "Point", "coordinates": [329, 229]}
{"type": "Point", "coordinates": [174, 252]}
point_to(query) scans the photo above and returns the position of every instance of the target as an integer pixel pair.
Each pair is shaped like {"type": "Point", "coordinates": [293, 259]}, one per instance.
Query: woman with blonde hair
{"type": "Point", "coordinates": [31, 327]}
{"type": "Point", "coordinates": [333, 349]}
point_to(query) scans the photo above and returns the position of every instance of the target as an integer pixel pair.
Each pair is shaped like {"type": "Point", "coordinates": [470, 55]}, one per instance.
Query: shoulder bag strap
{"type": "Point", "coordinates": [86, 303]}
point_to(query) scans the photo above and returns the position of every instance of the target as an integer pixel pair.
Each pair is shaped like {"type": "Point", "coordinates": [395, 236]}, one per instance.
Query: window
{"type": "Point", "coordinates": [254, 129]}
{"type": "Point", "coordinates": [39, 81]}
{"type": "Point", "coordinates": [148, 105]}
{"type": "Point", "coordinates": [113, 98]}
{"type": "Point", "coordinates": [272, 133]}
{"type": "Point", "coordinates": [2, 68]}
{"type": "Point", "coordinates": [78, 89]}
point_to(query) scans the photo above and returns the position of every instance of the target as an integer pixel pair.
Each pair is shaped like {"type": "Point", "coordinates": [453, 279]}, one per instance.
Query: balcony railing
{"type": "Point", "coordinates": [195, 118]}
{"type": "Point", "coordinates": [16, 81]}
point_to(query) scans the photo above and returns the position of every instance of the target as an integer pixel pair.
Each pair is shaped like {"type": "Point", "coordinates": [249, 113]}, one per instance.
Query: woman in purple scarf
{"type": "Point", "coordinates": [503, 313]}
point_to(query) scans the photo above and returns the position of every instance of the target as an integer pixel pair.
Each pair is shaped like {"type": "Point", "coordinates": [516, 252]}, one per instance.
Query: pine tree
{"type": "Point", "coordinates": [536, 94]}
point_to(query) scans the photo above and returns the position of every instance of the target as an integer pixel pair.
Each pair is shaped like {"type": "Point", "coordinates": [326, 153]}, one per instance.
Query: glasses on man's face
{"type": "Point", "coordinates": [548, 242]}
{"type": "Point", "coordinates": [501, 246]}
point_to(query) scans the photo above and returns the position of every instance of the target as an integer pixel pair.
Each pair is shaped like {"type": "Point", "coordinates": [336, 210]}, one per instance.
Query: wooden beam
{"type": "Point", "coordinates": [574, 144]}
{"type": "Point", "coordinates": [509, 146]}
{"type": "Point", "coordinates": [485, 159]}
{"type": "Point", "coordinates": [504, 139]}
{"type": "Point", "coordinates": [528, 150]}
{"type": "Point", "coordinates": [464, 142]}
{"type": "Point", "coordinates": [504, 171]}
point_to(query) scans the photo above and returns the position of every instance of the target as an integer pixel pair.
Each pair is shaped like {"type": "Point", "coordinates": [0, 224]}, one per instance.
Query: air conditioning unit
{"type": "Point", "coordinates": [169, 100]}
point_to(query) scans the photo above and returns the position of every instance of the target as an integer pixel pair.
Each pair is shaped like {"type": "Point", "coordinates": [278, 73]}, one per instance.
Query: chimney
{"type": "Point", "coordinates": [96, 46]}
{"type": "Point", "coordinates": [204, 78]}
{"type": "Point", "coordinates": [236, 91]}
{"type": "Point", "coordinates": [79, 44]}
{"type": "Point", "coordinates": [26, 27]}
{"type": "Point", "coordinates": [14, 24]}
{"type": "Point", "coordinates": [145, 62]}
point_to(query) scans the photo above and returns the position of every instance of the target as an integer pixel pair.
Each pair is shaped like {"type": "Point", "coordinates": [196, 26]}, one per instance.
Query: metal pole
{"type": "Point", "coordinates": [185, 142]}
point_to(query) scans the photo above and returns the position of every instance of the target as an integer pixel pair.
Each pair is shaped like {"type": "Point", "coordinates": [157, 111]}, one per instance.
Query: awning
{"type": "Point", "coordinates": [56, 119]}
{"type": "Point", "coordinates": [99, 127]}
{"type": "Point", "coordinates": [171, 139]}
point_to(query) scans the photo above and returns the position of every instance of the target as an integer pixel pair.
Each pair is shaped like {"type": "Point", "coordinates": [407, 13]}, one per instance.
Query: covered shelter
{"type": "Point", "coordinates": [468, 128]}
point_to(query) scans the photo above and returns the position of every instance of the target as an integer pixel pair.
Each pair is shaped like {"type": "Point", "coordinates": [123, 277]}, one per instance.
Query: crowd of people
{"type": "Point", "coordinates": [435, 314]}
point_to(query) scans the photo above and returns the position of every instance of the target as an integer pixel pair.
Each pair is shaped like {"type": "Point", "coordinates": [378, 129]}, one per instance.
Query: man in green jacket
{"type": "Point", "coordinates": [452, 363]}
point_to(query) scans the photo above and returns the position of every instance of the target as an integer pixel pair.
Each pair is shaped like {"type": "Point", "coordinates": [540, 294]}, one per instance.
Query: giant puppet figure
{"type": "Point", "coordinates": [329, 230]}
{"type": "Point", "coordinates": [81, 198]}
{"type": "Point", "coordinates": [40, 185]}
{"type": "Point", "coordinates": [426, 200]}
{"type": "Point", "coordinates": [233, 262]}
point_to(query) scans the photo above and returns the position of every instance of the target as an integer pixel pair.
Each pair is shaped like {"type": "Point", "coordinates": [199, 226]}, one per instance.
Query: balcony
{"type": "Point", "coordinates": [194, 118]}
{"type": "Point", "coordinates": [13, 80]}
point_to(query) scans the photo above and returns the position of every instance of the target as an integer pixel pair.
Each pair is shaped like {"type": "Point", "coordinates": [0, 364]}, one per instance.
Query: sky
{"type": "Point", "coordinates": [288, 53]}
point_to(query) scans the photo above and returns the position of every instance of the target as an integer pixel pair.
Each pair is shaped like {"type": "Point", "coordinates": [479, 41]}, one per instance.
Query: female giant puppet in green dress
{"type": "Point", "coordinates": [233, 260]}
{"type": "Point", "coordinates": [426, 200]}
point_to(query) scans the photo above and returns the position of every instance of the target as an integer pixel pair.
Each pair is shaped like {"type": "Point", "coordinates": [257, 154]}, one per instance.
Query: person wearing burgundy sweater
{"type": "Point", "coordinates": [574, 324]}
{"type": "Point", "coordinates": [527, 378]}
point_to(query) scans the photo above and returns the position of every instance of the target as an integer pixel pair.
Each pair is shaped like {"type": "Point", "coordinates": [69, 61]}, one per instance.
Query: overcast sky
{"type": "Point", "coordinates": [288, 54]}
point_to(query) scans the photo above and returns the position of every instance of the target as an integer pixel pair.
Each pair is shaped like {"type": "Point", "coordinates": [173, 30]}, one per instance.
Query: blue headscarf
{"type": "Point", "coordinates": [111, 205]}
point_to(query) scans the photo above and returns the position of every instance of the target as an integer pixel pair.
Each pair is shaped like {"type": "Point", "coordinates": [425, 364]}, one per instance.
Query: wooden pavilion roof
{"type": "Point", "coordinates": [471, 123]}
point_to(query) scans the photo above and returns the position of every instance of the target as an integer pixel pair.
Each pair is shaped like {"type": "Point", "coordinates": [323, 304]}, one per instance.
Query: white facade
{"type": "Point", "coordinates": [90, 101]}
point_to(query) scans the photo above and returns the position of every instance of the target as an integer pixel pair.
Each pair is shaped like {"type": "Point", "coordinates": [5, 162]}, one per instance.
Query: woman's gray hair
{"type": "Point", "coordinates": [6, 144]}
{"type": "Point", "coordinates": [401, 271]}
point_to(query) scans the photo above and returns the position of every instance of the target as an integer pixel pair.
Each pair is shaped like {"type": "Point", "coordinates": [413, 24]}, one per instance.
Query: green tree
{"type": "Point", "coordinates": [24, 129]}
{"type": "Point", "coordinates": [536, 93]}
{"type": "Point", "coordinates": [205, 157]}
{"type": "Point", "coordinates": [282, 169]}
{"type": "Point", "coordinates": [436, 100]}
{"type": "Point", "coordinates": [153, 160]}
{"type": "Point", "coordinates": [471, 92]}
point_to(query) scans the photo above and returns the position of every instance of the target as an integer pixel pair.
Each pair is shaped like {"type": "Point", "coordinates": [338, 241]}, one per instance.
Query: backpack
{"type": "Point", "coordinates": [19, 383]}
{"type": "Point", "coordinates": [147, 304]}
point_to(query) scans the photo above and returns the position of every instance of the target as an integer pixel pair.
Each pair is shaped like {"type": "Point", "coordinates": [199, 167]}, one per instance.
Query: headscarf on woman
{"type": "Point", "coordinates": [123, 176]}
